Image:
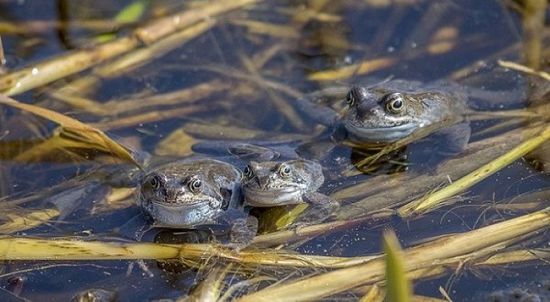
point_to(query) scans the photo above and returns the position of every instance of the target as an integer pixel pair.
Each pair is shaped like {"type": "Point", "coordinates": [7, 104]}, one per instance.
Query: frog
{"type": "Point", "coordinates": [196, 193]}
{"type": "Point", "coordinates": [288, 182]}
{"type": "Point", "coordinates": [373, 124]}
{"type": "Point", "coordinates": [393, 110]}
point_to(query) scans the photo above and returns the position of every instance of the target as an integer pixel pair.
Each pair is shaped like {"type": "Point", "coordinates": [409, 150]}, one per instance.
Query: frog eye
{"type": "Point", "coordinates": [195, 185]}
{"type": "Point", "coordinates": [350, 98]}
{"type": "Point", "coordinates": [284, 170]}
{"type": "Point", "coordinates": [155, 182]}
{"type": "Point", "coordinates": [394, 102]}
{"type": "Point", "coordinates": [248, 173]}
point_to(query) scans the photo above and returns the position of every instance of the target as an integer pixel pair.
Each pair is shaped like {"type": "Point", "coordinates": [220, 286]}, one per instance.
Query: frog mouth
{"type": "Point", "coordinates": [174, 215]}
{"type": "Point", "coordinates": [380, 134]}
{"type": "Point", "coordinates": [268, 198]}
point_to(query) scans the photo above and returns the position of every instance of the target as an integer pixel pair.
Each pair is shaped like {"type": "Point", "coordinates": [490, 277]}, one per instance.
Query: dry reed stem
{"type": "Point", "coordinates": [516, 256]}
{"type": "Point", "coordinates": [20, 248]}
{"type": "Point", "coordinates": [392, 193]}
{"type": "Point", "coordinates": [209, 289]}
{"type": "Point", "coordinates": [522, 68]}
{"type": "Point", "coordinates": [364, 67]}
{"type": "Point", "coordinates": [72, 132]}
{"type": "Point", "coordinates": [433, 200]}
{"type": "Point", "coordinates": [374, 294]}
{"type": "Point", "coordinates": [149, 117]}
{"type": "Point", "coordinates": [423, 256]}
{"type": "Point", "coordinates": [27, 221]}
{"type": "Point", "coordinates": [66, 64]}
{"type": "Point", "coordinates": [71, 92]}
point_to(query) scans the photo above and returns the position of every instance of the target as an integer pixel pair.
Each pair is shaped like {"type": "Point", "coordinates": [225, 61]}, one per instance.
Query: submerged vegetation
{"type": "Point", "coordinates": [163, 80]}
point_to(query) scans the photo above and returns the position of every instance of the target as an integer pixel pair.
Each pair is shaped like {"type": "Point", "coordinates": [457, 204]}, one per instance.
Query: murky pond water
{"type": "Point", "coordinates": [312, 80]}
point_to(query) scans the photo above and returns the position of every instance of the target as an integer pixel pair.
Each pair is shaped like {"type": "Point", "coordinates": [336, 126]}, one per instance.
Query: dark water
{"type": "Point", "coordinates": [405, 33]}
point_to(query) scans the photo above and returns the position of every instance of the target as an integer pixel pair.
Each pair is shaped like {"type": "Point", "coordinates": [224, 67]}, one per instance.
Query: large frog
{"type": "Point", "coordinates": [393, 110]}
{"type": "Point", "coordinates": [193, 193]}
{"type": "Point", "coordinates": [290, 182]}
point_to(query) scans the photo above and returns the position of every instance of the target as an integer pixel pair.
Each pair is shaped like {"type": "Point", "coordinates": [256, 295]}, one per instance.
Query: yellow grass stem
{"type": "Point", "coordinates": [48, 71]}
{"type": "Point", "coordinates": [433, 200]}
{"type": "Point", "coordinates": [73, 132]}
{"type": "Point", "coordinates": [516, 256]}
{"type": "Point", "coordinates": [364, 67]}
{"type": "Point", "coordinates": [167, 25]}
{"type": "Point", "coordinates": [373, 295]}
{"type": "Point", "coordinates": [210, 289]}
{"type": "Point", "coordinates": [71, 93]}
{"type": "Point", "coordinates": [144, 55]}
{"type": "Point", "coordinates": [21, 222]}
{"type": "Point", "coordinates": [19, 248]}
{"type": "Point", "coordinates": [523, 68]}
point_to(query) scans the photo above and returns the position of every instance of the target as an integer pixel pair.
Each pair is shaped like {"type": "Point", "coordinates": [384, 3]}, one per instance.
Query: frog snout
{"type": "Point", "coordinates": [173, 196]}
{"type": "Point", "coordinates": [262, 181]}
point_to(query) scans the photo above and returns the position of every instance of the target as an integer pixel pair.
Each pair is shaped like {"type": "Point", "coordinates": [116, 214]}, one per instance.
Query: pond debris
{"type": "Point", "coordinates": [177, 143]}
{"type": "Point", "coordinates": [385, 192]}
{"type": "Point", "coordinates": [281, 104]}
{"type": "Point", "coordinates": [2, 56]}
{"type": "Point", "coordinates": [73, 248]}
{"type": "Point", "coordinates": [523, 68]}
{"type": "Point", "coordinates": [51, 70]}
{"type": "Point", "coordinates": [432, 200]}
{"type": "Point", "coordinates": [262, 71]}
{"type": "Point", "coordinates": [25, 221]}
{"type": "Point", "coordinates": [364, 67]}
{"type": "Point", "coordinates": [211, 287]}
{"type": "Point", "coordinates": [533, 17]}
{"type": "Point", "coordinates": [71, 133]}
{"type": "Point", "coordinates": [447, 250]}
{"type": "Point", "coordinates": [374, 294]}
{"type": "Point", "coordinates": [71, 92]}
{"type": "Point", "coordinates": [484, 244]}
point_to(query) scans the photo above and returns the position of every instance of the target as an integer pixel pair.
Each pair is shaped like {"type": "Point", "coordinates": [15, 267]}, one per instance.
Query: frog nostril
{"type": "Point", "coordinates": [172, 196]}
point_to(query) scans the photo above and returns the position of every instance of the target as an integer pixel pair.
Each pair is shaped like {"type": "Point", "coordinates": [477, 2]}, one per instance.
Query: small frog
{"type": "Point", "coordinates": [291, 182]}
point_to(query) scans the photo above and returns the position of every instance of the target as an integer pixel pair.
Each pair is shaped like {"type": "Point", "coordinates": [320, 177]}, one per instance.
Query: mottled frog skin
{"type": "Point", "coordinates": [291, 182]}
{"type": "Point", "coordinates": [184, 194]}
{"type": "Point", "coordinates": [395, 109]}
{"type": "Point", "coordinates": [194, 194]}
{"type": "Point", "coordinates": [538, 291]}
{"type": "Point", "coordinates": [274, 183]}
